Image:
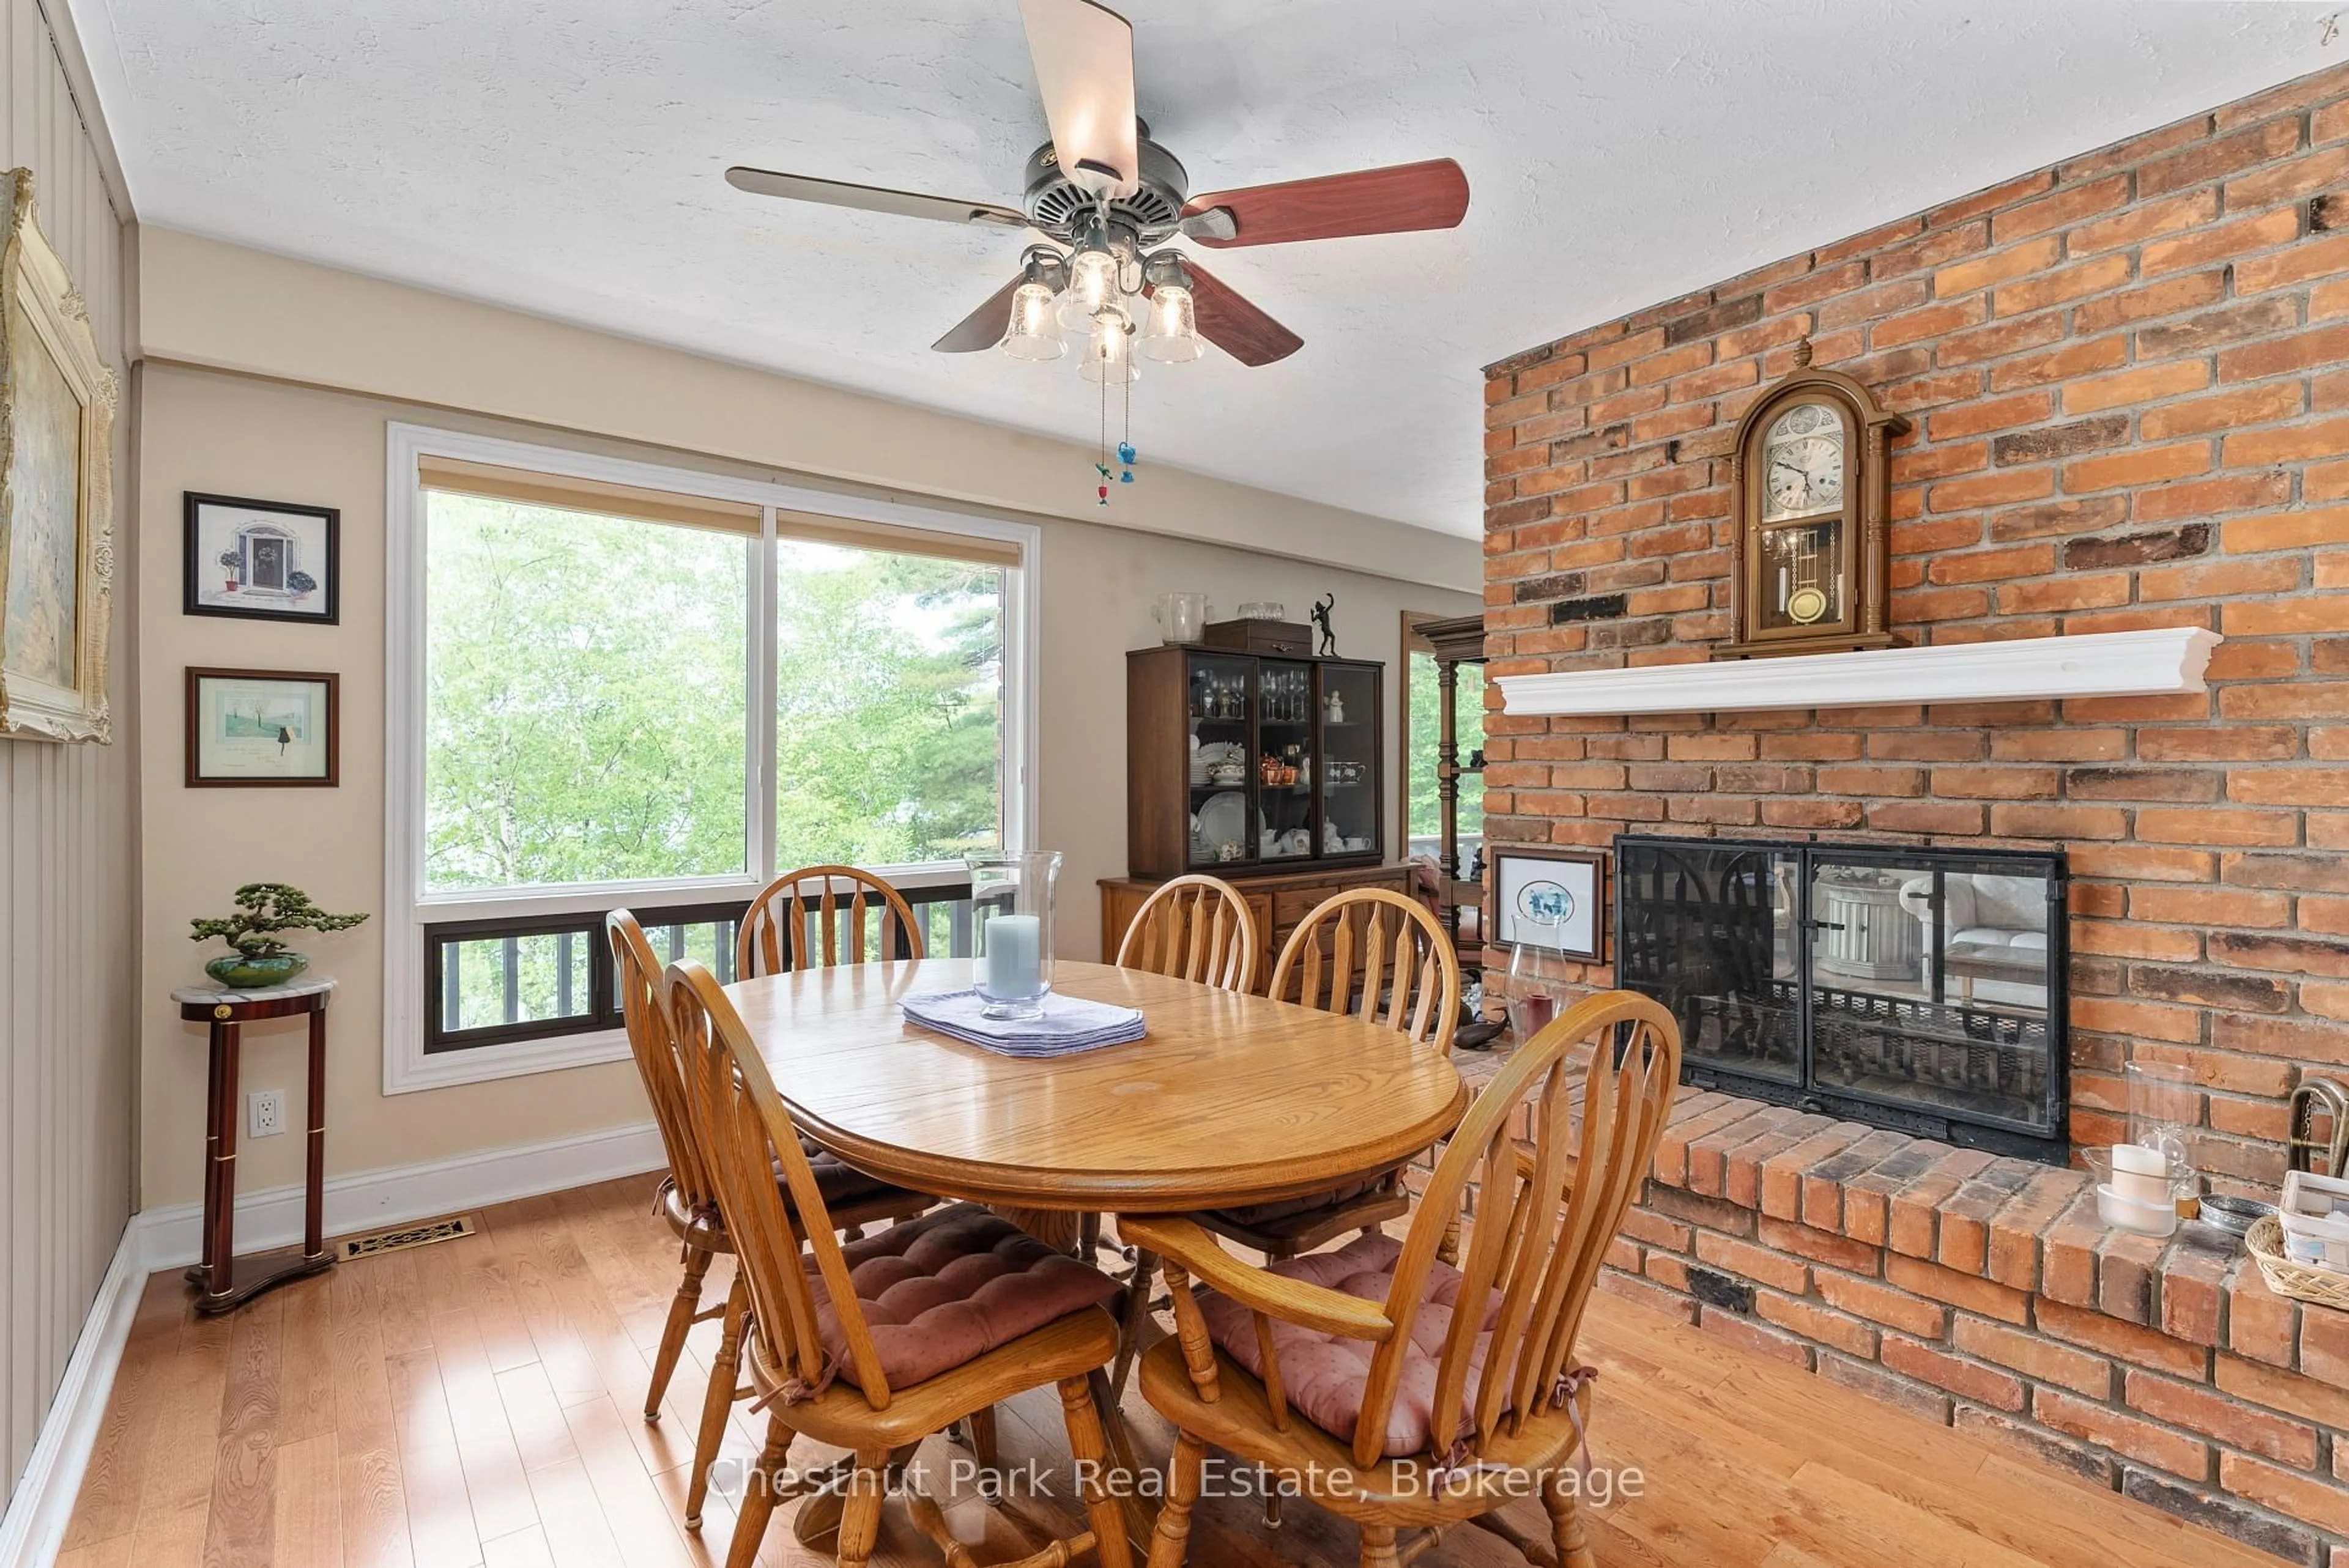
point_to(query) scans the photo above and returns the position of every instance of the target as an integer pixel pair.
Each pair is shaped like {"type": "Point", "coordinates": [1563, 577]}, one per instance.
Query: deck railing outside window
{"type": "Point", "coordinates": [543, 976]}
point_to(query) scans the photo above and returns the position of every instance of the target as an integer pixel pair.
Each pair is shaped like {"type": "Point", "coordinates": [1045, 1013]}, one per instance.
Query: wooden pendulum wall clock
{"type": "Point", "coordinates": [1808, 478]}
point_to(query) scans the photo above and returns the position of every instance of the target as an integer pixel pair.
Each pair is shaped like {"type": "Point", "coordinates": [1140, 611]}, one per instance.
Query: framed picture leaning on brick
{"type": "Point", "coordinates": [1550, 899]}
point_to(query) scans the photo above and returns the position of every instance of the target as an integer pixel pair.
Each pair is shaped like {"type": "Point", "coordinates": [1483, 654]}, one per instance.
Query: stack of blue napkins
{"type": "Point", "coordinates": [1070, 1024]}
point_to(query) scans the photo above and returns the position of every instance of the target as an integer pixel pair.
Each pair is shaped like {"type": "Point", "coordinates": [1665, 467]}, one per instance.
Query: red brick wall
{"type": "Point", "coordinates": [2130, 407]}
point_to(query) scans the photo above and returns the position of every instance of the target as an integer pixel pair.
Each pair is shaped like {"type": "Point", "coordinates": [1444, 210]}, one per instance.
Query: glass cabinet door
{"type": "Point", "coordinates": [1346, 774]}
{"type": "Point", "coordinates": [1222, 711]}
{"type": "Point", "coordinates": [1285, 760]}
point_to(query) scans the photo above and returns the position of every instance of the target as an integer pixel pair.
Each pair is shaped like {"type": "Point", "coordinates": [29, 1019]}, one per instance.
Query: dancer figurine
{"type": "Point", "coordinates": [1321, 608]}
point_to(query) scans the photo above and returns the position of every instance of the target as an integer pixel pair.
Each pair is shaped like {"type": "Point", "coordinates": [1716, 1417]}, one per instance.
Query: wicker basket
{"type": "Point", "coordinates": [2287, 1277]}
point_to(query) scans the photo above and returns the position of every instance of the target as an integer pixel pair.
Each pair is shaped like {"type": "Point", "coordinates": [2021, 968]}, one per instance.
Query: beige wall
{"type": "Point", "coordinates": [69, 861]}
{"type": "Point", "coordinates": [206, 430]}
{"type": "Point", "coordinates": [223, 307]}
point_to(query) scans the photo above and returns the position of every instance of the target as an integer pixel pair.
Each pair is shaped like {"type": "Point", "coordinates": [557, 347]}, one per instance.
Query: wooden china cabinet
{"type": "Point", "coordinates": [1265, 770]}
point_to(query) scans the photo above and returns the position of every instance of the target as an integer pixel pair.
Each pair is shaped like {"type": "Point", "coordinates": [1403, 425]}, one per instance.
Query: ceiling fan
{"type": "Point", "coordinates": [1105, 194]}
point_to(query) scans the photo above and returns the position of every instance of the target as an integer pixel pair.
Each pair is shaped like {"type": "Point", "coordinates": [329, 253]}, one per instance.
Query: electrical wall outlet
{"type": "Point", "coordinates": [265, 1113]}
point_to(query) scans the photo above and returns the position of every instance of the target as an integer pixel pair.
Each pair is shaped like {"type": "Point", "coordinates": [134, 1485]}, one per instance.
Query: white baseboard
{"type": "Point", "coordinates": [42, 1503]}
{"type": "Point", "coordinates": [369, 1199]}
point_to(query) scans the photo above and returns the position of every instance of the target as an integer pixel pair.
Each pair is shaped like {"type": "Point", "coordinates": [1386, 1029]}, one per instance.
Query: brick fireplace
{"type": "Point", "coordinates": [2126, 379]}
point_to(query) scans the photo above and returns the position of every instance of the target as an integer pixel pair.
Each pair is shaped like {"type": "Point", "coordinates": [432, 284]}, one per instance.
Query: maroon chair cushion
{"type": "Point", "coordinates": [943, 1290]}
{"type": "Point", "coordinates": [842, 1184]}
{"type": "Point", "coordinates": [1258, 1214]}
{"type": "Point", "coordinates": [1325, 1374]}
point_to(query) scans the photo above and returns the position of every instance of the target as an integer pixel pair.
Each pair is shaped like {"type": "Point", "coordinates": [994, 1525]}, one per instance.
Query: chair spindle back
{"type": "Point", "coordinates": [658, 1062]}
{"type": "Point", "coordinates": [746, 1133]}
{"type": "Point", "coordinates": [1380, 956]}
{"type": "Point", "coordinates": [775, 938]}
{"type": "Point", "coordinates": [1195, 928]}
{"type": "Point", "coordinates": [1543, 1218]}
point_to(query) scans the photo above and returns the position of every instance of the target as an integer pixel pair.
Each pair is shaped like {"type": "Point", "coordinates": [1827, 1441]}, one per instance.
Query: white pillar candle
{"type": "Point", "coordinates": [1014, 961]}
{"type": "Point", "coordinates": [2141, 1174]}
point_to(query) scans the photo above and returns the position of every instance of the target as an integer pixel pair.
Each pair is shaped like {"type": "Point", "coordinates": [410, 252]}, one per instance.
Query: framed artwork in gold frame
{"type": "Point", "coordinates": [57, 492]}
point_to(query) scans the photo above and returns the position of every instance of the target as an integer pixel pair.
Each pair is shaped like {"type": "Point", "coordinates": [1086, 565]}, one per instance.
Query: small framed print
{"type": "Point", "coordinates": [1548, 898]}
{"type": "Point", "coordinates": [250, 729]}
{"type": "Point", "coordinates": [262, 559]}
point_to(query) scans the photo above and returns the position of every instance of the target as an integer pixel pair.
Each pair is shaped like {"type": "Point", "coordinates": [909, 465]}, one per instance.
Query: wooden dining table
{"type": "Point", "coordinates": [1229, 1100]}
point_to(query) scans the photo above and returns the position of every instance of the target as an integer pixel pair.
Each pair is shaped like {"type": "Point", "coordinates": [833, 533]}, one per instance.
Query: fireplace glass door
{"type": "Point", "coordinates": [1929, 985]}
{"type": "Point", "coordinates": [1708, 930]}
{"type": "Point", "coordinates": [1918, 989]}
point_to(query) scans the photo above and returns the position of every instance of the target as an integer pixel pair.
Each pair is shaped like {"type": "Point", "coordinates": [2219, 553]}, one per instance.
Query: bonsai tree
{"type": "Point", "coordinates": [265, 909]}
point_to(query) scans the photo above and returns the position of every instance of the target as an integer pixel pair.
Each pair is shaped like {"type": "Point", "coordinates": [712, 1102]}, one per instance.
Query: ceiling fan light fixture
{"type": "Point", "coordinates": [1109, 350]}
{"type": "Point", "coordinates": [1035, 330]}
{"type": "Point", "coordinates": [1170, 333]}
{"type": "Point", "coordinates": [1093, 287]}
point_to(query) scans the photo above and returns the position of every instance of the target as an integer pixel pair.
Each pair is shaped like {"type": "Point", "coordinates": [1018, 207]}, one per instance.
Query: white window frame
{"type": "Point", "coordinates": [410, 906]}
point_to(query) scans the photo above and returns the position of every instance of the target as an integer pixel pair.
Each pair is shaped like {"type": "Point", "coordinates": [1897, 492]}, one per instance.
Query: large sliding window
{"type": "Point", "coordinates": [618, 684]}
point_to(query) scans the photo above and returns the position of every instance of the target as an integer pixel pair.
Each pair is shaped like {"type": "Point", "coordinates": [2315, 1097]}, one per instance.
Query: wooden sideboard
{"type": "Point", "coordinates": [1279, 901]}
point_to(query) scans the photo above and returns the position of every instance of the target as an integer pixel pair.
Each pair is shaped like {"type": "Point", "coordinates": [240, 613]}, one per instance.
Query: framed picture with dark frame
{"type": "Point", "coordinates": [261, 560]}
{"type": "Point", "coordinates": [264, 729]}
{"type": "Point", "coordinates": [1551, 900]}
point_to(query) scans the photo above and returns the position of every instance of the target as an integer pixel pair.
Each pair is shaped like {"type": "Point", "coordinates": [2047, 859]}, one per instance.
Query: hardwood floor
{"type": "Point", "coordinates": [478, 1402]}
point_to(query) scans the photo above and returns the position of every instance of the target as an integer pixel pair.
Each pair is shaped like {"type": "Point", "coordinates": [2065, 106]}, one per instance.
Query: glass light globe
{"type": "Point", "coordinates": [1035, 330]}
{"type": "Point", "coordinates": [1171, 334]}
{"type": "Point", "coordinates": [1093, 287]}
{"type": "Point", "coordinates": [1109, 351]}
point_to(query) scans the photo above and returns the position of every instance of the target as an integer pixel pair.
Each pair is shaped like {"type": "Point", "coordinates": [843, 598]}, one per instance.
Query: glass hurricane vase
{"type": "Point", "coordinates": [1011, 916]}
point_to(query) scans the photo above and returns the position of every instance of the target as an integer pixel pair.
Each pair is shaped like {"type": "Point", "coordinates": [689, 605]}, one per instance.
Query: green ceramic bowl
{"type": "Point", "coordinates": [236, 969]}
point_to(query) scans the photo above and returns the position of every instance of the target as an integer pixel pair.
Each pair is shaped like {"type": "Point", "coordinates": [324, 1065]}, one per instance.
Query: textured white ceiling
{"type": "Point", "coordinates": [565, 157]}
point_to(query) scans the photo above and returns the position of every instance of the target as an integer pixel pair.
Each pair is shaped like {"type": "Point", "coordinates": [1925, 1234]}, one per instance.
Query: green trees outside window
{"type": "Point", "coordinates": [588, 689]}
{"type": "Point", "coordinates": [1427, 731]}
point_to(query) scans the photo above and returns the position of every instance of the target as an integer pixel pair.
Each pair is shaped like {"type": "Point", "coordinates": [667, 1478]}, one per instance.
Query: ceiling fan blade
{"type": "Point", "coordinates": [984, 327]}
{"type": "Point", "coordinates": [871, 197]}
{"type": "Point", "coordinates": [1390, 201]}
{"type": "Point", "coordinates": [1084, 72]}
{"type": "Point", "coordinates": [1231, 323]}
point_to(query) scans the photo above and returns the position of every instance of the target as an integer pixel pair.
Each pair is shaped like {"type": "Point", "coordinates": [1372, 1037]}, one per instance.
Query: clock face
{"type": "Point", "coordinates": [1802, 463]}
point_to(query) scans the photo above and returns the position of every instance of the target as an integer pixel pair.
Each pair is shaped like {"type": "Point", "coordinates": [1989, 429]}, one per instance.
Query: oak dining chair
{"type": "Point", "coordinates": [840, 903]}
{"type": "Point", "coordinates": [1383, 958]}
{"type": "Point", "coordinates": [1400, 1392]}
{"type": "Point", "coordinates": [1195, 928]}
{"type": "Point", "coordinates": [775, 937]}
{"type": "Point", "coordinates": [874, 1345]}
{"type": "Point", "coordinates": [686, 1199]}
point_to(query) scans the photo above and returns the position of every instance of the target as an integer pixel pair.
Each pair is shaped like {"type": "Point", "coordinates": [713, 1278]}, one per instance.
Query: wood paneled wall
{"type": "Point", "coordinates": [68, 857]}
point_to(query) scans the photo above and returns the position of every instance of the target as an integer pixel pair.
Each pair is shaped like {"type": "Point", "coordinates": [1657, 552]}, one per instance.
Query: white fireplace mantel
{"type": "Point", "coordinates": [2152, 663]}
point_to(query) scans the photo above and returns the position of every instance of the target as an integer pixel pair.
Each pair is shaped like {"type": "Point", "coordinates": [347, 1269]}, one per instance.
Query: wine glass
{"type": "Point", "coordinates": [1534, 996]}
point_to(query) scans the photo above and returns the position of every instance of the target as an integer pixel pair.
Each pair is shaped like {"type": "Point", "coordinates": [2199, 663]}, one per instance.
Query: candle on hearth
{"type": "Point", "coordinates": [2141, 1175]}
{"type": "Point", "coordinates": [1014, 949]}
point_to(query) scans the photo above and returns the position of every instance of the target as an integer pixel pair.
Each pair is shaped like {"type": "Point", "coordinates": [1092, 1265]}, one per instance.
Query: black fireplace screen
{"type": "Point", "coordinates": [1920, 989]}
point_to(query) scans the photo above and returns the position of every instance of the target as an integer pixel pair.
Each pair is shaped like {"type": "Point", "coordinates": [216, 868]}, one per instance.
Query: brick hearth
{"type": "Point", "coordinates": [1983, 1292]}
{"type": "Point", "coordinates": [2127, 377]}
